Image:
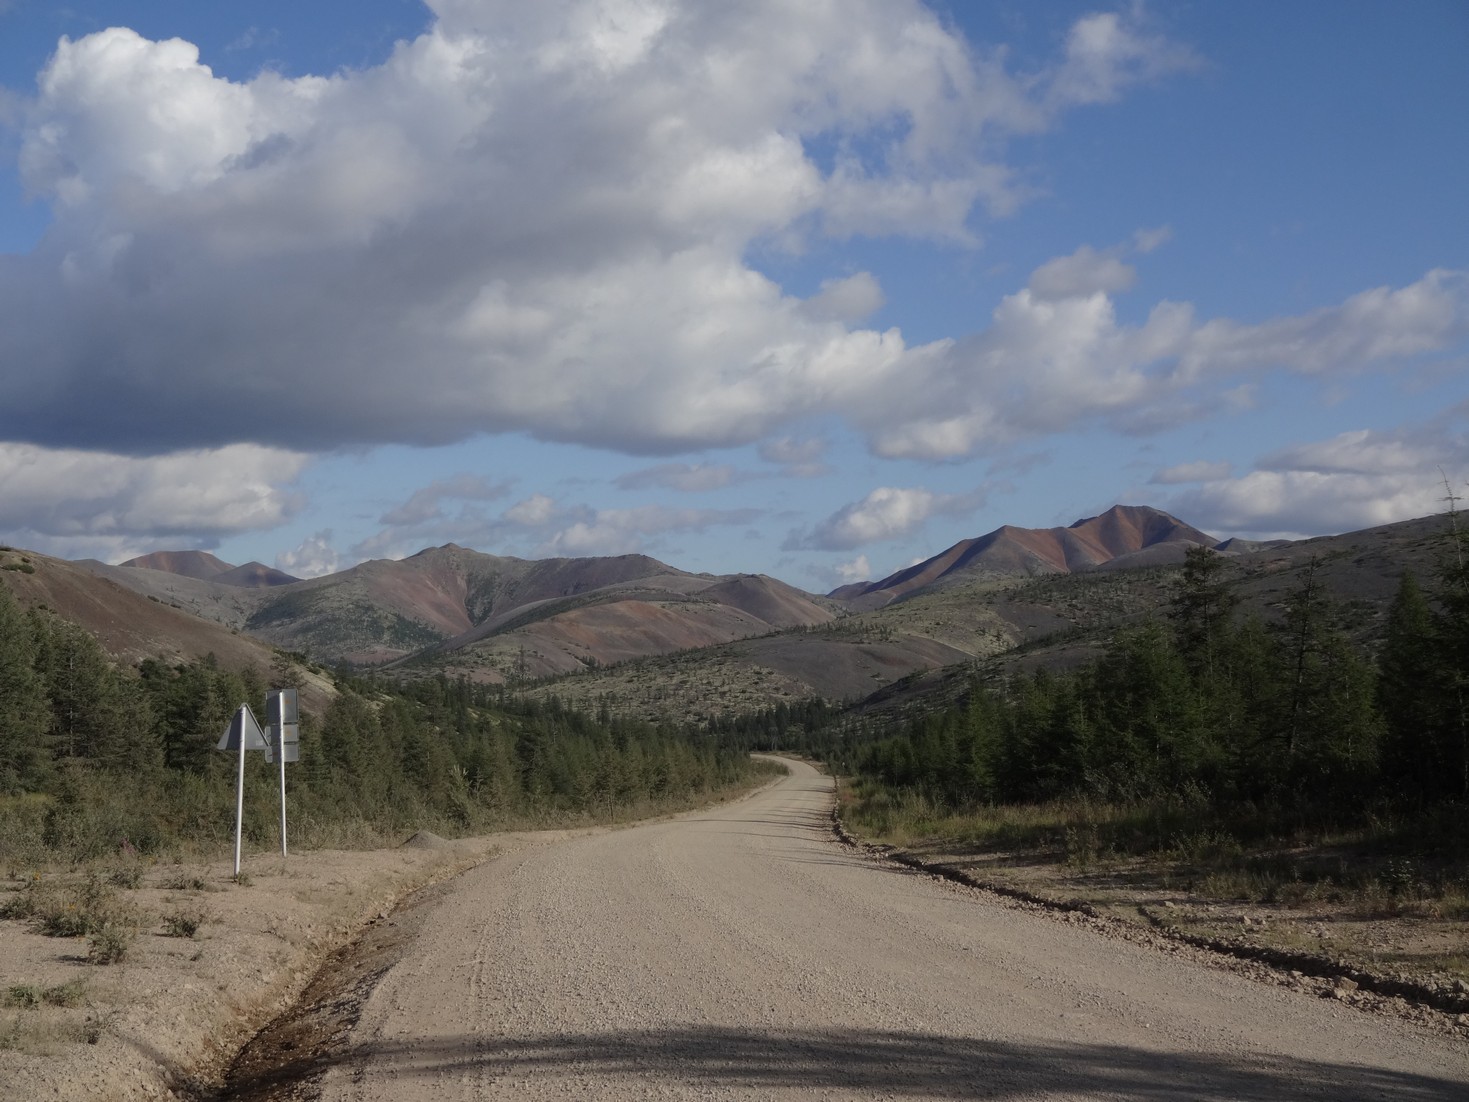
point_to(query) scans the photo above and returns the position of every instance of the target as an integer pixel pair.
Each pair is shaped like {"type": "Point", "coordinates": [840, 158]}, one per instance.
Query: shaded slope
{"type": "Point", "coordinates": [386, 609]}
{"type": "Point", "coordinates": [771, 601]}
{"type": "Point", "coordinates": [254, 575]}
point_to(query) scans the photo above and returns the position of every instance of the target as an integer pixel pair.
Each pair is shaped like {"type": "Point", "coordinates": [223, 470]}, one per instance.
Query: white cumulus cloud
{"type": "Point", "coordinates": [312, 558]}
{"type": "Point", "coordinates": [1354, 480]}
{"type": "Point", "coordinates": [73, 502]}
{"type": "Point", "coordinates": [1084, 272]}
{"type": "Point", "coordinates": [858, 570]}
{"type": "Point", "coordinates": [888, 512]}
{"type": "Point", "coordinates": [1049, 362]}
{"type": "Point", "coordinates": [529, 218]}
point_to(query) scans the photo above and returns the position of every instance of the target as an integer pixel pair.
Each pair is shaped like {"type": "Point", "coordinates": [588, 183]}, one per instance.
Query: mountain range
{"type": "Point", "coordinates": [205, 567]}
{"type": "Point", "coordinates": [1123, 536]}
{"type": "Point", "coordinates": [679, 643]}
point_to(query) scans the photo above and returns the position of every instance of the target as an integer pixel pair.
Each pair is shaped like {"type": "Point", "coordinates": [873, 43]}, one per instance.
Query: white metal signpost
{"type": "Point", "coordinates": [242, 734]}
{"type": "Point", "coordinates": [281, 742]}
{"type": "Point", "coordinates": [283, 733]}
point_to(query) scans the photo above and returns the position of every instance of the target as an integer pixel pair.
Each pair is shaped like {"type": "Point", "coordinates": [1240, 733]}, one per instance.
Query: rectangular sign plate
{"type": "Point", "coordinates": [280, 707]}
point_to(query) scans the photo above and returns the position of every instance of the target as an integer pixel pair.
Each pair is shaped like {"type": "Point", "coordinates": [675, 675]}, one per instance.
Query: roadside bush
{"type": "Point", "coordinates": [76, 909]}
{"type": "Point", "coordinates": [110, 942]}
{"type": "Point", "coordinates": [183, 923]}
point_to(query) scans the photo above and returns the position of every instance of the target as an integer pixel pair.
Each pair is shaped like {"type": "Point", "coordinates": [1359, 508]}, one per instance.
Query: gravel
{"type": "Point", "coordinates": [743, 952]}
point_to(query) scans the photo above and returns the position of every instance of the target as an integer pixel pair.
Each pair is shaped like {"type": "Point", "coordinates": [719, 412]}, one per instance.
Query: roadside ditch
{"type": "Point", "coordinates": [1442, 1005]}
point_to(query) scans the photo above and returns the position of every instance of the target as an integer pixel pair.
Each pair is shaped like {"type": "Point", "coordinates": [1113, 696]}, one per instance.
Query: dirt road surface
{"type": "Point", "coordinates": [742, 953]}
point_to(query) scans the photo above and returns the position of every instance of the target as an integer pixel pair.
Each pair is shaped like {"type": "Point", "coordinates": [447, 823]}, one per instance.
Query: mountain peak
{"type": "Point", "coordinates": [1122, 532]}
{"type": "Point", "coordinates": [189, 564]}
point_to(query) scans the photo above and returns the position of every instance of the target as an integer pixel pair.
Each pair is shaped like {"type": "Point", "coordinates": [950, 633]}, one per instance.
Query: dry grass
{"type": "Point", "coordinates": [88, 906]}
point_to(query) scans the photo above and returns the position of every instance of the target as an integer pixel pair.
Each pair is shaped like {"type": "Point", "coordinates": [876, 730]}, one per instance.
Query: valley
{"type": "Point", "coordinates": [465, 693]}
{"type": "Point", "coordinates": [651, 641]}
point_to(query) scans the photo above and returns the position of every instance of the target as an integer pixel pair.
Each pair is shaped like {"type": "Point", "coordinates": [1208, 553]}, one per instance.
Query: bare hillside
{"type": "Point", "coordinates": [1124, 531]}
{"type": "Point", "coordinates": [129, 626]}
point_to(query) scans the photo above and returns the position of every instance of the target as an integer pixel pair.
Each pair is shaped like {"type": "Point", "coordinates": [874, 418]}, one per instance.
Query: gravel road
{"type": "Point", "coordinates": [743, 953]}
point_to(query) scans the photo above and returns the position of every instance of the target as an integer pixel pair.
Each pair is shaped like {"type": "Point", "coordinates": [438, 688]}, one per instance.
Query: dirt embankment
{"type": "Point", "coordinates": [1407, 965]}
{"type": "Point", "coordinates": [165, 1020]}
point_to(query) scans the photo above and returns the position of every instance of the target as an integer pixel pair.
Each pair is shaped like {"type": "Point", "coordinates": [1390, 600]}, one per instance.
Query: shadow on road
{"type": "Point", "coordinates": [909, 1064]}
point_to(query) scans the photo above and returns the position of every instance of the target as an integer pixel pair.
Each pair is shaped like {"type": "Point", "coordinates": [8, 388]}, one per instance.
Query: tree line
{"type": "Point", "coordinates": [92, 753]}
{"type": "Point", "coordinates": [1205, 703]}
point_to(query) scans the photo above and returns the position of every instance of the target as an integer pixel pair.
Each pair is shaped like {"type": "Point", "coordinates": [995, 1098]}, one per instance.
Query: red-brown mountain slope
{"type": "Point", "coordinates": [188, 564]}
{"type": "Point", "coordinates": [128, 625]}
{"type": "Point", "coordinates": [1122, 531]}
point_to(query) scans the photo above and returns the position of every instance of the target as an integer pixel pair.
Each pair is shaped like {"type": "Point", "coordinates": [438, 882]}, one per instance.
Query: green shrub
{"type": "Point", "coordinates": [74, 909]}
{"type": "Point", "coordinates": [126, 876]}
{"type": "Point", "coordinates": [65, 994]}
{"type": "Point", "coordinates": [185, 882]}
{"type": "Point", "coordinates": [110, 942]}
{"type": "Point", "coordinates": [24, 995]}
{"type": "Point", "coordinates": [30, 995]}
{"type": "Point", "coordinates": [184, 923]}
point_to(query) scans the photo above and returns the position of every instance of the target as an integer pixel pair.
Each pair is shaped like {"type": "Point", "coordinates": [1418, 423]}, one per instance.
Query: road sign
{"type": "Point", "coordinates": [243, 729]}
{"type": "Point", "coordinates": [281, 741]}
{"type": "Point", "coordinates": [242, 734]}
{"type": "Point", "coordinates": [280, 707]}
{"type": "Point", "coordinates": [287, 737]}
{"type": "Point", "coordinates": [283, 730]}
{"type": "Point", "coordinates": [284, 734]}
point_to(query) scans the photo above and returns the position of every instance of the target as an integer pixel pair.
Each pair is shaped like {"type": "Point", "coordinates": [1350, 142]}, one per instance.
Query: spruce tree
{"type": "Point", "coordinates": [1200, 611]}
{"type": "Point", "coordinates": [1452, 654]}
{"type": "Point", "coordinates": [25, 713]}
{"type": "Point", "coordinates": [1329, 726]}
{"type": "Point", "coordinates": [1411, 694]}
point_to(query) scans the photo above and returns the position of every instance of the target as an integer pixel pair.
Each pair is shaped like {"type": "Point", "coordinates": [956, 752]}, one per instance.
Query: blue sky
{"type": "Point", "coordinates": [800, 288]}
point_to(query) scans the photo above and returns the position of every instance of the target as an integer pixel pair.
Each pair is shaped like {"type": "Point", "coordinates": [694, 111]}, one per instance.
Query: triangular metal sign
{"type": "Point", "coordinates": [243, 726]}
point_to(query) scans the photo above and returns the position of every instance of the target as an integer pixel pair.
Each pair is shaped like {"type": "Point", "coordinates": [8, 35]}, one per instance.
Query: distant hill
{"type": "Point", "coordinates": [669, 644]}
{"type": "Point", "coordinates": [659, 614]}
{"type": "Point", "coordinates": [512, 617]}
{"type": "Point", "coordinates": [130, 626]}
{"type": "Point", "coordinates": [386, 609]}
{"type": "Point", "coordinates": [1123, 535]}
{"type": "Point", "coordinates": [188, 564]}
{"type": "Point", "coordinates": [204, 567]}
{"type": "Point", "coordinates": [254, 575]}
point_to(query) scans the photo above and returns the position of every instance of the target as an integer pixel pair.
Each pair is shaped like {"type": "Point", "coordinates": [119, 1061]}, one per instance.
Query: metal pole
{"type": "Point", "coordinates": [280, 749]}
{"type": "Point", "coordinates": [240, 795]}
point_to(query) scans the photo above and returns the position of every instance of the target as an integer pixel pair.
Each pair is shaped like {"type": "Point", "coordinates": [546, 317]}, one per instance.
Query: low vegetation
{"type": "Point", "coordinates": [99, 763]}
{"type": "Point", "coordinates": [1204, 708]}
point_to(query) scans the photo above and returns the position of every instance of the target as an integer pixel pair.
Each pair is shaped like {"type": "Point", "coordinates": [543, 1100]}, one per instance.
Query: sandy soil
{"type": "Point", "coordinates": [165, 1020]}
{"type": "Point", "coordinates": [742, 953]}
